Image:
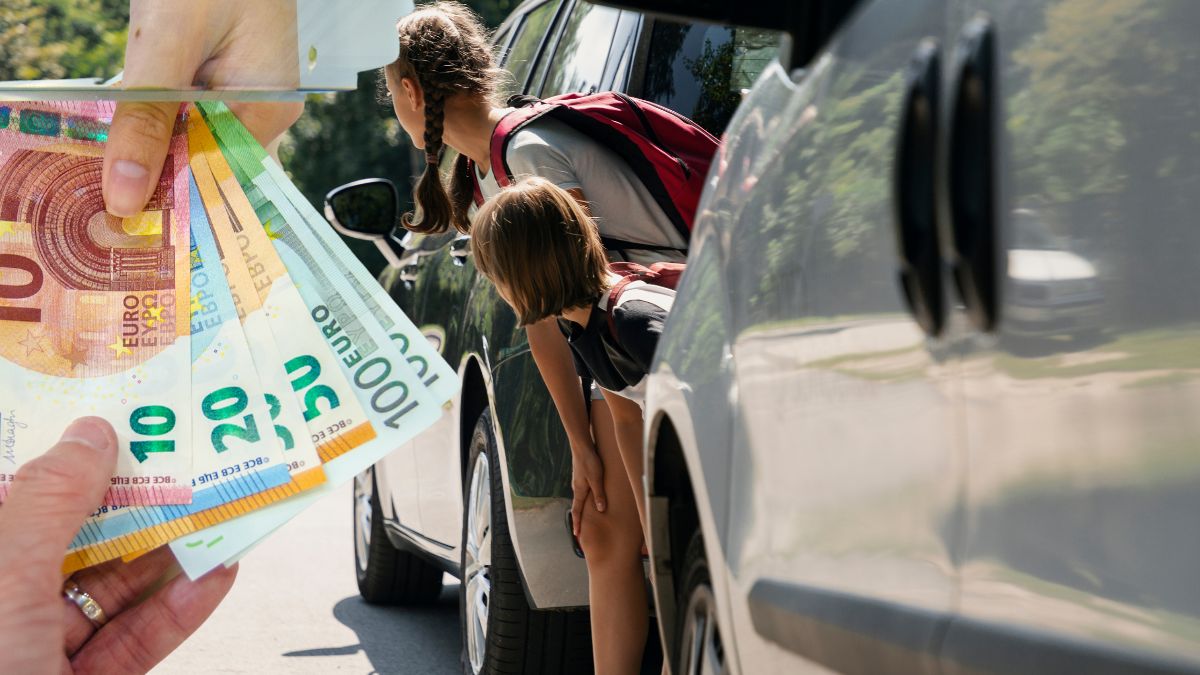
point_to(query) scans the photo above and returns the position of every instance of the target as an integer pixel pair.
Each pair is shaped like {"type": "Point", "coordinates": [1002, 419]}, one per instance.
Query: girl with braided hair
{"type": "Point", "coordinates": [443, 88]}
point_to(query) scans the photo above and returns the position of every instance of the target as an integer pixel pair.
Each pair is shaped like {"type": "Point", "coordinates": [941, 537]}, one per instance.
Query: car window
{"type": "Point", "coordinates": [701, 70]}
{"type": "Point", "coordinates": [500, 45]}
{"type": "Point", "coordinates": [622, 51]}
{"type": "Point", "coordinates": [525, 47]}
{"type": "Point", "coordinates": [583, 50]}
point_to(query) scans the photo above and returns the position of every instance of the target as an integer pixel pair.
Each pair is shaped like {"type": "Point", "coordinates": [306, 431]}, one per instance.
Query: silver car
{"type": "Point", "coordinates": [848, 466]}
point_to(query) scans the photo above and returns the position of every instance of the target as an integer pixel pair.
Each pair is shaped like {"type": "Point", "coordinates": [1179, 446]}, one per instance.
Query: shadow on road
{"type": "Point", "coordinates": [399, 641]}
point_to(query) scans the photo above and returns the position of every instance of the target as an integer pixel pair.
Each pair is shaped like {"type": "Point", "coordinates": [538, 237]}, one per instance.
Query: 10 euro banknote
{"type": "Point", "coordinates": [93, 309]}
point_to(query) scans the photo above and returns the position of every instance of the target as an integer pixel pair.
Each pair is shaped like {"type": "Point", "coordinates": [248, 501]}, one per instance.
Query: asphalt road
{"type": "Point", "coordinates": [295, 609]}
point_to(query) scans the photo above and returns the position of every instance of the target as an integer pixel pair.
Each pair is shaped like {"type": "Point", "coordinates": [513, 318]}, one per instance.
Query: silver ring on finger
{"type": "Point", "coordinates": [86, 603]}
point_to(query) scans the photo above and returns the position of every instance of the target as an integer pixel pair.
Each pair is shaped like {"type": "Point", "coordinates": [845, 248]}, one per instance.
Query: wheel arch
{"type": "Point", "coordinates": [473, 401]}
{"type": "Point", "coordinates": [674, 516]}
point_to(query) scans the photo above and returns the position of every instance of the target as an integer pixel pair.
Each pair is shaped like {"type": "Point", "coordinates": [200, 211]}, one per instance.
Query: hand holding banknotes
{"type": "Point", "coordinates": [40, 631]}
{"type": "Point", "coordinates": [208, 43]}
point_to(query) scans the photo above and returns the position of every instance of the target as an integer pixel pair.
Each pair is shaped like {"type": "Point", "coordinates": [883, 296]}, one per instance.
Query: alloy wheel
{"type": "Point", "coordinates": [477, 561]}
{"type": "Point", "coordinates": [364, 489]}
{"type": "Point", "coordinates": [702, 653]}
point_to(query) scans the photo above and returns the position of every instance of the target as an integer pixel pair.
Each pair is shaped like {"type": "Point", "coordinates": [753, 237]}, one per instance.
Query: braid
{"type": "Point", "coordinates": [462, 193]}
{"type": "Point", "coordinates": [436, 211]}
{"type": "Point", "coordinates": [444, 48]}
{"type": "Point", "coordinates": [435, 119]}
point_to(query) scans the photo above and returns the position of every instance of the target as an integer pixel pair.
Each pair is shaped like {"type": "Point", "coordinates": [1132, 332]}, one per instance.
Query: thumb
{"type": "Point", "coordinates": [158, 55]}
{"type": "Point", "coordinates": [51, 495]}
{"type": "Point", "coordinates": [138, 141]}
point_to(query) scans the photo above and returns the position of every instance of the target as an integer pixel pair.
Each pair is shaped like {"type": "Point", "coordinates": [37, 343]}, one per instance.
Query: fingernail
{"type": "Point", "coordinates": [127, 183]}
{"type": "Point", "coordinates": [90, 431]}
{"type": "Point", "coordinates": [600, 507]}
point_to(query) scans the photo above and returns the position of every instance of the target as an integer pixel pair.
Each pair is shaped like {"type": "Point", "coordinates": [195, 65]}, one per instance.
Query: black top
{"type": "Point", "coordinates": [622, 362]}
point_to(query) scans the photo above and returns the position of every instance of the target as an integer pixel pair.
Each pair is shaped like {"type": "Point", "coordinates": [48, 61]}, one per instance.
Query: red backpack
{"type": "Point", "coordinates": [669, 153]}
{"type": "Point", "coordinates": [662, 274]}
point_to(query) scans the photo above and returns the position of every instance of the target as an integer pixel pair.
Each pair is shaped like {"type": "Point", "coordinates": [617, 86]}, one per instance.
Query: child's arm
{"type": "Point", "coordinates": [553, 358]}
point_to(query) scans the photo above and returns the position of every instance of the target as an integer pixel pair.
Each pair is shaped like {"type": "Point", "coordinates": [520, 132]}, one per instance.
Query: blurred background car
{"type": "Point", "coordinates": [1052, 290]}
{"type": "Point", "coordinates": [484, 494]}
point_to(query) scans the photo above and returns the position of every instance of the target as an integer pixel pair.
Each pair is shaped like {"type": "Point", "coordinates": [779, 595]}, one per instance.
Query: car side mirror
{"type": "Point", "coordinates": [367, 209]}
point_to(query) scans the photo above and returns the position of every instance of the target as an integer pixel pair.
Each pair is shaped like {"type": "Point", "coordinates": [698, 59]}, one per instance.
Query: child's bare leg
{"type": "Point", "coordinates": [612, 544]}
{"type": "Point", "coordinates": [627, 421]}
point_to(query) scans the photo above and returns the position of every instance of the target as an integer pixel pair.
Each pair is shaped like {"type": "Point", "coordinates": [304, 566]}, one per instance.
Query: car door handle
{"type": "Point", "coordinates": [915, 197]}
{"type": "Point", "coordinates": [459, 250]}
{"type": "Point", "coordinates": [409, 273]}
{"type": "Point", "coordinates": [971, 175]}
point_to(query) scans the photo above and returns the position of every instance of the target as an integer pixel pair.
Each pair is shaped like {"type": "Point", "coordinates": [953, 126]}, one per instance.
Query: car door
{"type": "Point", "coordinates": [1082, 546]}
{"type": "Point", "coordinates": [442, 296]}
{"type": "Point", "coordinates": [844, 480]}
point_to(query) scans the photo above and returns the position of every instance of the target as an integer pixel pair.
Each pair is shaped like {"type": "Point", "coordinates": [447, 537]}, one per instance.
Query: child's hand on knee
{"type": "Point", "coordinates": [587, 481]}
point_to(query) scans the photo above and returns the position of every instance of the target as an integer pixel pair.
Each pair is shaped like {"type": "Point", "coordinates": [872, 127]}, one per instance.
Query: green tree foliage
{"type": "Point", "coordinates": [493, 12]}
{"type": "Point", "coordinates": [62, 38]}
{"type": "Point", "coordinates": [1102, 116]}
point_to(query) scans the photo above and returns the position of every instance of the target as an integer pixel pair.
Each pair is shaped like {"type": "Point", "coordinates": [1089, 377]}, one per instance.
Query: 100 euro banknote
{"type": "Point", "coordinates": [93, 309]}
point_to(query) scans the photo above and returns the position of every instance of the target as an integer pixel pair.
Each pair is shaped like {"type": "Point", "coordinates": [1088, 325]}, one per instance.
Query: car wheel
{"type": "Point", "coordinates": [698, 649]}
{"type": "Point", "coordinates": [501, 633]}
{"type": "Point", "coordinates": [386, 575]}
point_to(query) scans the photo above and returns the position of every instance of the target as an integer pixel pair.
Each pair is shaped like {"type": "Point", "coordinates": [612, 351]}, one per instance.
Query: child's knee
{"type": "Point", "coordinates": [605, 537]}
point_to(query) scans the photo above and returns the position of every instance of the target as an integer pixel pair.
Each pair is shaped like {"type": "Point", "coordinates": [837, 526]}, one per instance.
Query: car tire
{"type": "Point", "coordinates": [501, 633]}
{"type": "Point", "coordinates": [698, 647]}
{"type": "Point", "coordinates": [386, 575]}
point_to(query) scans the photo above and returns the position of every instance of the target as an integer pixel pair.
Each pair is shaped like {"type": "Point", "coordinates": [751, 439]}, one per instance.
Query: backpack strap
{"type": "Point", "coordinates": [629, 272]}
{"type": "Point", "coordinates": [527, 109]}
{"type": "Point", "coordinates": [475, 183]}
{"type": "Point", "coordinates": [613, 294]}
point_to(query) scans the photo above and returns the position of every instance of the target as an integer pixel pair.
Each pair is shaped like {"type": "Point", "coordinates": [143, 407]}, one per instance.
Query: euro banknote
{"type": "Point", "coordinates": [93, 308]}
{"type": "Point", "coordinates": [256, 170]}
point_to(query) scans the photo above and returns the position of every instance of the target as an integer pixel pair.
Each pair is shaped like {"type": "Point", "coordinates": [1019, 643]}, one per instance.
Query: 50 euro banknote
{"type": "Point", "coordinates": [93, 308]}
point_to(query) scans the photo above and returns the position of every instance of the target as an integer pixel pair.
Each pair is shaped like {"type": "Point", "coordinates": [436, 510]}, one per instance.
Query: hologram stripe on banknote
{"type": "Point", "coordinates": [92, 318]}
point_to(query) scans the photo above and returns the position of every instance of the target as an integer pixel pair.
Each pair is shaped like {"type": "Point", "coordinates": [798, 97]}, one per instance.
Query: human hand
{"type": "Point", "coordinates": [216, 44]}
{"type": "Point", "coordinates": [40, 631]}
{"type": "Point", "coordinates": [587, 479]}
